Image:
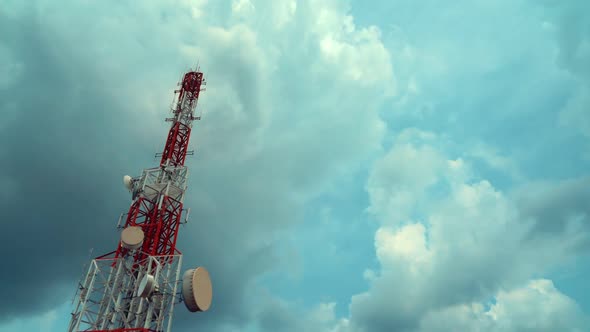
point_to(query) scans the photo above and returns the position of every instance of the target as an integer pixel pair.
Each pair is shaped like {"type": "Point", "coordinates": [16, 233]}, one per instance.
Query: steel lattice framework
{"type": "Point", "coordinates": [107, 298]}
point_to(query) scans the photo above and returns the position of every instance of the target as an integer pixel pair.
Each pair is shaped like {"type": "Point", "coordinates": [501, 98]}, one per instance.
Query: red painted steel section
{"type": "Point", "coordinates": [178, 137]}
{"type": "Point", "coordinates": [160, 225]}
{"type": "Point", "coordinates": [140, 214]}
{"type": "Point", "coordinates": [166, 227]}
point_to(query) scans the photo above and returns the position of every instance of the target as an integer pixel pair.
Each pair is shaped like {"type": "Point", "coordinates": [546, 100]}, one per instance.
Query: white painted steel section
{"type": "Point", "coordinates": [108, 298]}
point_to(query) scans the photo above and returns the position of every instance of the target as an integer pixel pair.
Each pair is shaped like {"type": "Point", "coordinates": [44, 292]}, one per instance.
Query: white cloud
{"type": "Point", "coordinates": [449, 241]}
{"type": "Point", "coordinates": [283, 12]}
{"type": "Point", "coordinates": [496, 160]}
{"type": "Point", "coordinates": [195, 7]}
{"type": "Point", "coordinates": [407, 246]}
{"type": "Point", "coordinates": [473, 241]}
{"type": "Point", "coordinates": [401, 175]}
{"type": "Point", "coordinates": [365, 61]}
{"type": "Point", "coordinates": [242, 7]}
{"type": "Point", "coordinates": [274, 314]}
{"type": "Point", "coordinates": [409, 174]}
{"type": "Point", "coordinates": [538, 306]}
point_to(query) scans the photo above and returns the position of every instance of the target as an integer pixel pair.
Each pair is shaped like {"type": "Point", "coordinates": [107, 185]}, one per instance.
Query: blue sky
{"type": "Point", "coordinates": [385, 166]}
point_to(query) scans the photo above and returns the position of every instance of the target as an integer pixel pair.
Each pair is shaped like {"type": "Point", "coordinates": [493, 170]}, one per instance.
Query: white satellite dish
{"type": "Point", "coordinates": [197, 289]}
{"type": "Point", "coordinates": [132, 237]}
{"type": "Point", "coordinates": [147, 286]}
{"type": "Point", "coordinates": [128, 182]}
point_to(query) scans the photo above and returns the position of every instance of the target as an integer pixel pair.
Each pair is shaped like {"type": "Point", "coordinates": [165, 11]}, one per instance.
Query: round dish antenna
{"type": "Point", "coordinates": [147, 286]}
{"type": "Point", "coordinates": [197, 289]}
{"type": "Point", "coordinates": [128, 182]}
{"type": "Point", "coordinates": [132, 237]}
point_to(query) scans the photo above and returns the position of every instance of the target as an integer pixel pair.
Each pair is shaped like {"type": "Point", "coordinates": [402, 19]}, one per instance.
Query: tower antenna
{"type": "Point", "coordinates": [136, 286]}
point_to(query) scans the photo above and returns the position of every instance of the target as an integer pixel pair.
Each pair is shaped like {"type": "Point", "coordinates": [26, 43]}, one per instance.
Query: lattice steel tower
{"type": "Point", "coordinates": [135, 287]}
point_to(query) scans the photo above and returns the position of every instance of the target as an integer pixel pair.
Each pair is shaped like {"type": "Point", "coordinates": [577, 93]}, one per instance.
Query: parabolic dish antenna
{"type": "Point", "coordinates": [132, 237]}
{"type": "Point", "coordinates": [147, 286]}
{"type": "Point", "coordinates": [197, 289]}
{"type": "Point", "coordinates": [128, 182]}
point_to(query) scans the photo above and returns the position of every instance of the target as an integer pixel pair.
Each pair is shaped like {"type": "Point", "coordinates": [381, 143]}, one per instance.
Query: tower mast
{"type": "Point", "coordinates": [135, 287]}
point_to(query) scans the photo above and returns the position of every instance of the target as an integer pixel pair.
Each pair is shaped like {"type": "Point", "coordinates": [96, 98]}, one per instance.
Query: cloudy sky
{"type": "Point", "coordinates": [412, 166]}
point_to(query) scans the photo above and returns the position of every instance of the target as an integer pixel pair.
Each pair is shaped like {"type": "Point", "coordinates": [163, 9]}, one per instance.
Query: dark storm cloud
{"type": "Point", "coordinates": [65, 153]}
{"type": "Point", "coordinates": [61, 152]}
{"type": "Point", "coordinates": [107, 82]}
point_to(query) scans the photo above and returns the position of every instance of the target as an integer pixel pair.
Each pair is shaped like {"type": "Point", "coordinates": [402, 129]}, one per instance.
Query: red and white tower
{"type": "Point", "coordinates": [135, 287]}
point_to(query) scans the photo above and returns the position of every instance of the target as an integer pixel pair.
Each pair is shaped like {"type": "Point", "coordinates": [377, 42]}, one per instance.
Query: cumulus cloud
{"type": "Point", "coordinates": [274, 314]}
{"type": "Point", "coordinates": [448, 258]}
{"type": "Point", "coordinates": [403, 173]}
{"type": "Point", "coordinates": [450, 241]}
{"type": "Point", "coordinates": [538, 306]}
{"type": "Point", "coordinates": [468, 259]}
{"type": "Point", "coordinates": [496, 160]}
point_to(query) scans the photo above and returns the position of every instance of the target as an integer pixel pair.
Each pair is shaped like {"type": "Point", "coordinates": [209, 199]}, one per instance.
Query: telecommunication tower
{"type": "Point", "coordinates": [135, 287]}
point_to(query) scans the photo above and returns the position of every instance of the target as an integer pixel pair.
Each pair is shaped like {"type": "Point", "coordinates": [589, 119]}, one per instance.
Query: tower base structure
{"type": "Point", "coordinates": [105, 304]}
